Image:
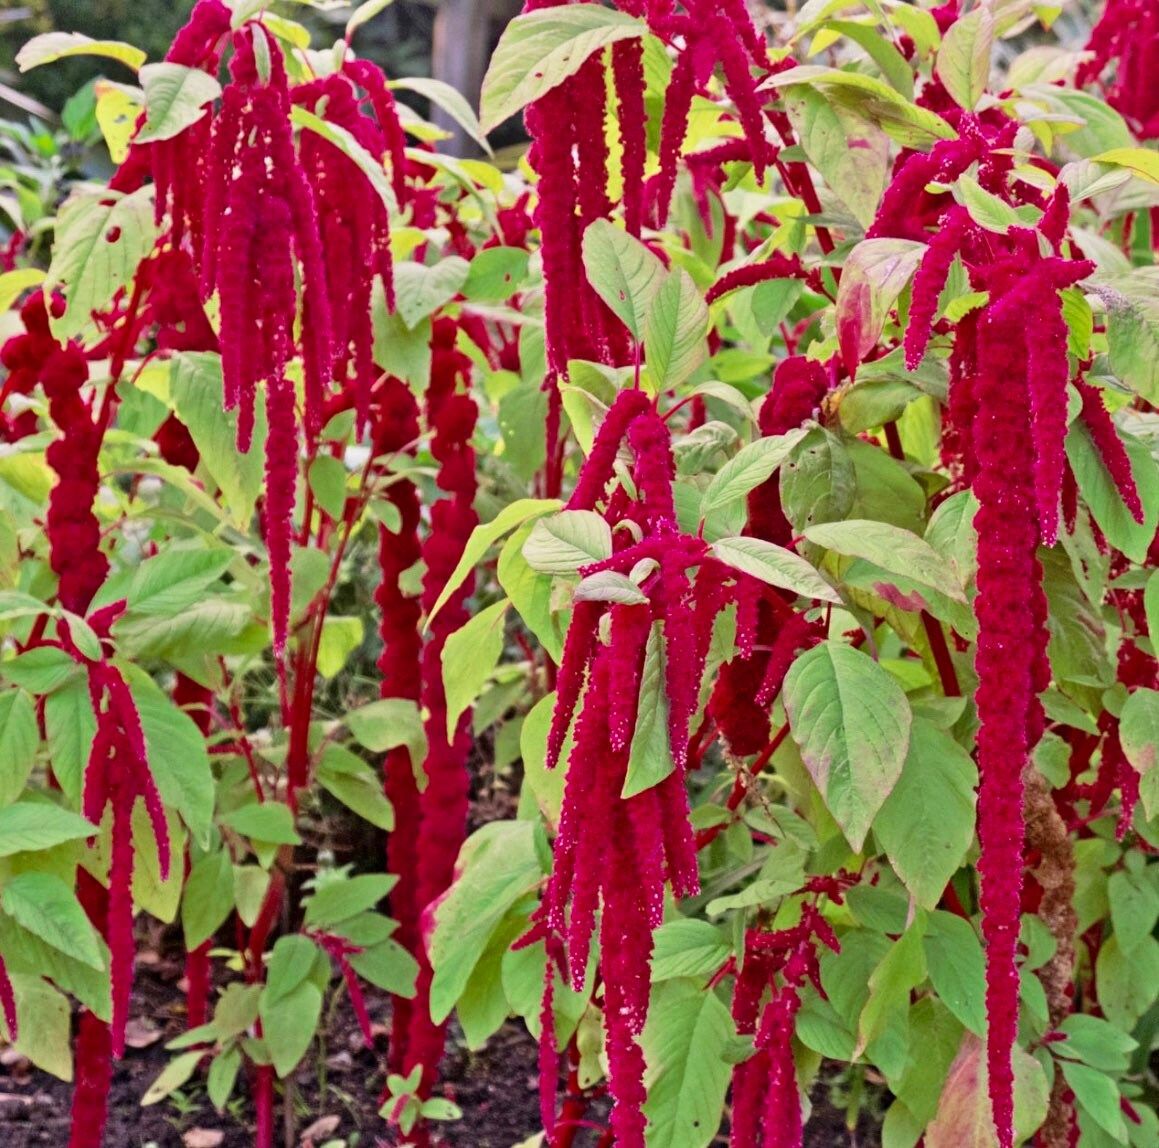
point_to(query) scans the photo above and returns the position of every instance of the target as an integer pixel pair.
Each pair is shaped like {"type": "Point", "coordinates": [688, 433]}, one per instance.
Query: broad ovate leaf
{"type": "Point", "coordinates": [851, 721]}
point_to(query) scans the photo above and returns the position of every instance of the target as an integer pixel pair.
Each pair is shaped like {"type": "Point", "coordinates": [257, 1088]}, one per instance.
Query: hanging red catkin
{"type": "Point", "coordinates": [1127, 36]}
{"type": "Point", "coordinates": [73, 531]}
{"type": "Point", "coordinates": [395, 428]}
{"type": "Point", "coordinates": [451, 414]}
{"type": "Point", "coordinates": [1110, 447]}
{"type": "Point", "coordinates": [628, 74]}
{"type": "Point", "coordinates": [1008, 573]}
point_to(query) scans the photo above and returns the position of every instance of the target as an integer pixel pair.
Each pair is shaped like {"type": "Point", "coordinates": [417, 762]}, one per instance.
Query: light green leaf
{"type": "Point", "coordinates": [19, 741]}
{"type": "Point", "coordinates": [751, 466]}
{"type": "Point", "coordinates": [420, 291]}
{"type": "Point", "coordinates": [267, 821]}
{"type": "Point", "coordinates": [650, 757]}
{"type": "Point", "coordinates": [450, 99]}
{"type": "Point", "coordinates": [174, 580]}
{"type": "Point", "coordinates": [539, 50]}
{"type": "Point", "coordinates": [43, 1020]}
{"type": "Point", "coordinates": [48, 909]}
{"type": "Point", "coordinates": [675, 331]}
{"type": "Point", "coordinates": [208, 897]}
{"type": "Point", "coordinates": [774, 565]}
{"type": "Point", "coordinates": [498, 864]}
{"type": "Point", "coordinates": [341, 899]}
{"type": "Point", "coordinates": [101, 238]}
{"type": "Point", "coordinates": [1103, 498]}
{"type": "Point", "coordinates": [175, 98]}
{"type": "Point", "coordinates": [985, 208]}
{"type": "Point", "coordinates": [1132, 303]}
{"type": "Point", "coordinates": [363, 14]}
{"type": "Point", "coordinates": [686, 947]}
{"type": "Point", "coordinates": [340, 638]}
{"type": "Point", "coordinates": [177, 755]}
{"type": "Point", "coordinates": [1134, 903]}
{"type": "Point", "coordinates": [963, 63]}
{"type": "Point", "coordinates": [485, 535]}
{"type": "Point", "coordinates": [496, 274]}
{"type": "Point", "coordinates": [1139, 735]}
{"type": "Point", "coordinates": [469, 656]}
{"type": "Point", "coordinates": [70, 726]}
{"type": "Point", "coordinates": [927, 822]}
{"type": "Point", "coordinates": [957, 968]}
{"type": "Point", "coordinates": [624, 273]}
{"type": "Point", "coordinates": [901, 119]}
{"type": "Point", "coordinates": [566, 541]}
{"type": "Point", "coordinates": [53, 46]}
{"type": "Point", "coordinates": [852, 722]}
{"type": "Point", "coordinates": [289, 1025]}
{"type": "Point", "coordinates": [351, 781]}
{"type": "Point", "coordinates": [32, 825]}
{"type": "Point", "coordinates": [852, 154]}
{"type": "Point", "coordinates": [195, 387]}
{"type": "Point", "coordinates": [685, 1042]}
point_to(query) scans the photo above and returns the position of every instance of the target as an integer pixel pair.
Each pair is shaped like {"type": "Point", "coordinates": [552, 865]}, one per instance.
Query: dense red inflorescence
{"type": "Point", "coordinates": [1124, 43]}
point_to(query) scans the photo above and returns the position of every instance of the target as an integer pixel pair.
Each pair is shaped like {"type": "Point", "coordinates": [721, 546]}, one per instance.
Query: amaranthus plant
{"type": "Point", "coordinates": [710, 555]}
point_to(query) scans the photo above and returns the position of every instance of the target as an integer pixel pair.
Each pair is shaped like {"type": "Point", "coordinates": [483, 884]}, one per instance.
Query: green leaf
{"type": "Point", "coordinates": [1139, 735]}
{"type": "Point", "coordinates": [43, 1020]}
{"type": "Point", "coordinates": [207, 899]}
{"type": "Point", "coordinates": [1099, 1096]}
{"type": "Point", "coordinates": [1127, 984]}
{"type": "Point", "coordinates": [498, 864]}
{"type": "Point", "coordinates": [291, 963]}
{"type": "Point", "coordinates": [912, 563]}
{"type": "Point", "coordinates": [175, 98]}
{"type": "Point", "coordinates": [343, 898]}
{"type": "Point", "coordinates": [650, 756]}
{"type": "Point", "coordinates": [44, 905]}
{"type": "Point", "coordinates": [608, 586]}
{"type": "Point", "coordinates": [177, 756]}
{"type": "Point", "coordinates": [19, 741]}
{"type": "Point", "coordinates": [686, 947]}
{"type": "Point", "coordinates": [964, 1118]}
{"type": "Point", "coordinates": [496, 274]}
{"type": "Point", "coordinates": [53, 46]}
{"type": "Point", "coordinates": [222, 1076]}
{"type": "Point", "coordinates": [13, 284]}
{"type": "Point", "coordinates": [289, 1025]}
{"type": "Point", "coordinates": [345, 142]}
{"type": "Point", "coordinates": [174, 580]}
{"type": "Point", "coordinates": [39, 670]}
{"type": "Point", "coordinates": [70, 726]}
{"type": "Point", "coordinates": [985, 208]}
{"type": "Point", "coordinates": [388, 966]}
{"type": "Point", "coordinates": [957, 968]}
{"type": "Point", "coordinates": [566, 541]}
{"type": "Point", "coordinates": [849, 152]}
{"type": "Point", "coordinates": [873, 277]}
{"type": "Point", "coordinates": [101, 238]}
{"type": "Point", "coordinates": [625, 274]}
{"type": "Point", "coordinates": [852, 722]}
{"type": "Point", "coordinates": [348, 779]}
{"type": "Point", "coordinates": [746, 470]}
{"type": "Point", "coordinates": [1103, 498]}
{"type": "Point", "coordinates": [484, 536]}
{"type": "Point", "coordinates": [539, 50]}
{"type": "Point", "coordinates": [1133, 328]}
{"type": "Point", "coordinates": [195, 388]}
{"type": "Point", "coordinates": [546, 786]}
{"type": "Point", "coordinates": [33, 825]}
{"type": "Point", "coordinates": [685, 1042]}
{"type": "Point", "coordinates": [963, 63]}
{"type": "Point", "coordinates": [531, 594]}
{"type": "Point", "coordinates": [175, 1074]}
{"type": "Point", "coordinates": [1134, 908]}
{"type": "Point", "coordinates": [327, 478]}
{"type": "Point", "coordinates": [774, 565]}
{"type": "Point", "coordinates": [340, 638]}
{"type": "Point", "coordinates": [270, 822]}
{"type": "Point", "coordinates": [450, 100]}
{"type": "Point", "coordinates": [363, 14]}
{"type": "Point", "coordinates": [1096, 1042]}
{"type": "Point", "coordinates": [927, 822]}
{"type": "Point", "coordinates": [675, 331]}
{"type": "Point", "coordinates": [469, 657]}
{"type": "Point", "coordinates": [420, 291]}
{"type": "Point", "coordinates": [901, 119]}
{"type": "Point", "coordinates": [387, 723]}
{"type": "Point", "coordinates": [890, 985]}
